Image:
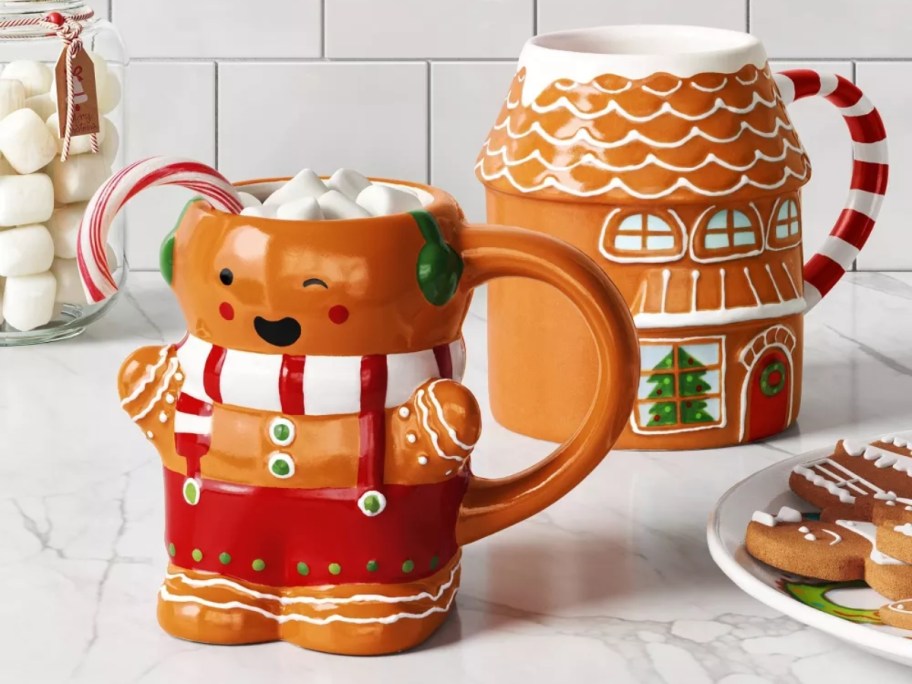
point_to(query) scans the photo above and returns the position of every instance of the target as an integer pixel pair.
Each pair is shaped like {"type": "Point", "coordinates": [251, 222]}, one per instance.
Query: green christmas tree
{"type": "Point", "coordinates": [693, 384]}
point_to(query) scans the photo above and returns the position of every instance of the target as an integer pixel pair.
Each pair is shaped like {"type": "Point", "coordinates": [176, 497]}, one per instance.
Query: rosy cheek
{"type": "Point", "coordinates": [226, 311]}
{"type": "Point", "coordinates": [338, 314]}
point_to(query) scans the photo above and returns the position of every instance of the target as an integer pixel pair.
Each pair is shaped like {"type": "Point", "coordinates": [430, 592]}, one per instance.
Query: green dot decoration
{"type": "Point", "coordinates": [408, 566]}
{"type": "Point", "coordinates": [335, 568]}
{"type": "Point", "coordinates": [303, 569]}
{"type": "Point", "coordinates": [224, 558]}
{"type": "Point", "coordinates": [280, 467]}
{"type": "Point", "coordinates": [372, 566]}
{"type": "Point", "coordinates": [259, 565]}
{"type": "Point", "coordinates": [281, 432]}
{"type": "Point", "coordinates": [196, 555]}
{"type": "Point", "coordinates": [191, 492]}
{"type": "Point", "coordinates": [435, 561]}
{"type": "Point", "coordinates": [172, 551]}
{"type": "Point", "coordinates": [372, 504]}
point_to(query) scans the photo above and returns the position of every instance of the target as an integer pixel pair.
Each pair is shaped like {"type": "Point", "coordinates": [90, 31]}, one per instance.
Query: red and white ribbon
{"type": "Point", "coordinates": [94, 270]}
{"type": "Point", "coordinates": [869, 175]}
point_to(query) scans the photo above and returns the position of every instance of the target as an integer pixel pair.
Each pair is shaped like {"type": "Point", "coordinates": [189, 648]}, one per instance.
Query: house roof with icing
{"type": "Point", "coordinates": [663, 137]}
{"type": "Point", "coordinates": [717, 294]}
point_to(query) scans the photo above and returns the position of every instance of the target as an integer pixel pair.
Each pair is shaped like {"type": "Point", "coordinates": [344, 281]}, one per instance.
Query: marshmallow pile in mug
{"type": "Point", "coordinates": [346, 195]}
{"type": "Point", "coordinates": [42, 199]}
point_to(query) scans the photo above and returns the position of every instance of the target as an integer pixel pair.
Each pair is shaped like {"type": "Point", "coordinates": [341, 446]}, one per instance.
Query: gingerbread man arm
{"type": "Point", "coordinates": [148, 383]}
{"type": "Point", "coordinates": [435, 431]}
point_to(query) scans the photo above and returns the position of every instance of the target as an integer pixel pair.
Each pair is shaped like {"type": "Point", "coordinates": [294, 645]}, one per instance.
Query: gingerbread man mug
{"type": "Point", "coordinates": [315, 438]}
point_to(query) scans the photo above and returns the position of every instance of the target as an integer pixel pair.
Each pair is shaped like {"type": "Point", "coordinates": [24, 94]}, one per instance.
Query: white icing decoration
{"type": "Point", "coordinates": [149, 434]}
{"type": "Point", "coordinates": [411, 437]}
{"type": "Point", "coordinates": [313, 600]}
{"type": "Point", "coordinates": [790, 515]}
{"type": "Point", "coordinates": [422, 460]}
{"type": "Point", "coordinates": [810, 537]}
{"type": "Point", "coordinates": [820, 481]}
{"type": "Point", "coordinates": [905, 529]}
{"type": "Point", "coordinates": [404, 412]}
{"type": "Point", "coordinates": [147, 377]}
{"type": "Point", "coordinates": [435, 440]}
{"type": "Point", "coordinates": [721, 316]}
{"type": "Point", "coordinates": [803, 529]}
{"type": "Point", "coordinates": [704, 89]}
{"type": "Point", "coordinates": [451, 431]}
{"type": "Point", "coordinates": [169, 398]}
{"type": "Point", "coordinates": [836, 537]}
{"type": "Point", "coordinates": [165, 381]}
{"type": "Point", "coordinates": [869, 532]}
{"type": "Point", "coordinates": [163, 417]}
{"type": "Point", "coordinates": [764, 518]}
{"type": "Point", "coordinates": [179, 376]}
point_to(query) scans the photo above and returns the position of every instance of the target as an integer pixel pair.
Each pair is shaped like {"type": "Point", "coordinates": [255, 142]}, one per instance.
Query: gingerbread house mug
{"type": "Point", "coordinates": [666, 154]}
{"type": "Point", "coordinates": [316, 441]}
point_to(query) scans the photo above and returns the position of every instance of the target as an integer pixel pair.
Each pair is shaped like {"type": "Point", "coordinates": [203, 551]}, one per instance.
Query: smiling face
{"type": "Point", "coordinates": [324, 288]}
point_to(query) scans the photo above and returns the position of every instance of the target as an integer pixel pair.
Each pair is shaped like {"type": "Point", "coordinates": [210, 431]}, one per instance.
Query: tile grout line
{"type": "Point", "coordinates": [323, 29]}
{"type": "Point", "coordinates": [534, 17]}
{"type": "Point", "coordinates": [430, 122]}
{"type": "Point", "coordinates": [216, 113]}
{"type": "Point", "coordinates": [747, 17]}
{"type": "Point", "coordinates": [455, 60]}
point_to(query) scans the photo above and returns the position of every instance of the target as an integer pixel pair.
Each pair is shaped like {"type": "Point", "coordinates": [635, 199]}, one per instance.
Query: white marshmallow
{"type": "Point", "coordinates": [25, 199]}
{"type": "Point", "coordinates": [304, 209]}
{"type": "Point", "coordinates": [382, 200]}
{"type": "Point", "coordinates": [109, 96]}
{"type": "Point", "coordinates": [305, 184]}
{"type": "Point", "coordinates": [111, 145]}
{"type": "Point", "coordinates": [64, 228]}
{"type": "Point", "coordinates": [260, 212]}
{"type": "Point", "coordinates": [28, 301]}
{"type": "Point", "coordinates": [69, 286]}
{"type": "Point", "coordinates": [34, 76]}
{"type": "Point", "coordinates": [25, 250]}
{"type": "Point", "coordinates": [335, 205]}
{"type": "Point", "coordinates": [249, 200]}
{"type": "Point", "coordinates": [42, 105]}
{"type": "Point", "coordinates": [25, 141]}
{"type": "Point", "coordinates": [77, 179]}
{"type": "Point", "coordinates": [350, 183]}
{"type": "Point", "coordinates": [12, 97]}
{"type": "Point", "coordinates": [79, 144]}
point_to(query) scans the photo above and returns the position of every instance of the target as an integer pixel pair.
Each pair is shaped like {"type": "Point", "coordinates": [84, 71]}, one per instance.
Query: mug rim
{"type": "Point", "coordinates": [438, 200]}
{"type": "Point", "coordinates": [642, 51]}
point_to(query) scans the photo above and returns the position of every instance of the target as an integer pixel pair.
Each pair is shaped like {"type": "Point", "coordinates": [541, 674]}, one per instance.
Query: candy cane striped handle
{"type": "Point", "coordinates": [94, 269]}
{"type": "Point", "coordinates": [869, 175]}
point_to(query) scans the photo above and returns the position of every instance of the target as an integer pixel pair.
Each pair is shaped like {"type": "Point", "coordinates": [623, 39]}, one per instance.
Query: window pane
{"type": "Point", "coordinates": [782, 232]}
{"type": "Point", "coordinates": [660, 242]}
{"type": "Point", "coordinates": [794, 226]}
{"type": "Point", "coordinates": [716, 240]}
{"type": "Point", "coordinates": [629, 243]}
{"type": "Point", "coordinates": [698, 355]}
{"type": "Point", "coordinates": [655, 223]}
{"type": "Point", "coordinates": [660, 414]}
{"type": "Point", "coordinates": [718, 220]}
{"type": "Point", "coordinates": [658, 386]}
{"type": "Point", "coordinates": [697, 382]}
{"type": "Point", "coordinates": [695, 411]}
{"type": "Point", "coordinates": [632, 224]}
{"type": "Point", "coordinates": [740, 220]}
{"type": "Point", "coordinates": [656, 356]}
{"type": "Point", "coordinates": [786, 209]}
{"type": "Point", "coordinates": [745, 237]}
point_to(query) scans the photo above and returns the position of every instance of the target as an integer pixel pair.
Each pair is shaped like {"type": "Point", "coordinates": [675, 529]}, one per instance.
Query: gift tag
{"type": "Point", "coordinates": [85, 93]}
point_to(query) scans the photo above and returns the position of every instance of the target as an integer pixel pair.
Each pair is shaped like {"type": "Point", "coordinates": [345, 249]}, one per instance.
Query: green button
{"type": "Point", "coordinates": [172, 551]}
{"type": "Point", "coordinates": [197, 555]}
{"type": "Point", "coordinates": [224, 558]}
{"type": "Point", "coordinates": [372, 504]}
{"type": "Point", "coordinates": [335, 568]}
{"type": "Point", "coordinates": [372, 566]}
{"type": "Point", "coordinates": [259, 564]}
{"type": "Point", "coordinates": [281, 432]}
{"type": "Point", "coordinates": [435, 561]}
{"type": "Point", "coordinates": [191, 493]}
{"type": "Point", "coordinates": [281, 467]}
{"type": "Point", "coordinates": [303, 569]}
{"type": "Point", "coordinates": [408, 566]}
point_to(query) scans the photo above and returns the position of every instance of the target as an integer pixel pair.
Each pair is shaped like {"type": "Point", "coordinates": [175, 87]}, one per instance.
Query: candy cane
{"type": "Point", "coordinates": [110, 198]}
{"type": "Point", "coordinates": [869, 175]}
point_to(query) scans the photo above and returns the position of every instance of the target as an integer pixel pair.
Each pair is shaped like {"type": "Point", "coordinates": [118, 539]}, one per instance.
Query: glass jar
{"type": "Point", "coordinates": [42, 202]}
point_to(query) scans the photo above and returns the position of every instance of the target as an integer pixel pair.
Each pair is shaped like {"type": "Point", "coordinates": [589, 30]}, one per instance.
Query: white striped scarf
{"type": "Point", "coordinates": [296, 385]}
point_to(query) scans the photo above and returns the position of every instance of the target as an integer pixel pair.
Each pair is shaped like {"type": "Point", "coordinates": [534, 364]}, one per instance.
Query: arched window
{"type": "Point", "coordinates": [641, 237]}
{"type": "Point", "coordinates": [726, 234]}
{"type": "Point", "coordinates": [786, 226]}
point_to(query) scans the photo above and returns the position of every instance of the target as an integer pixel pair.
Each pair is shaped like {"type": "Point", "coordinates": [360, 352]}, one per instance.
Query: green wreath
{"type": "Point", "coordinates": [767, 388]}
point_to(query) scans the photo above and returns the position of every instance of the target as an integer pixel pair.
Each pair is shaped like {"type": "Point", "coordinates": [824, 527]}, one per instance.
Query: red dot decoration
{"type": "Point", "coordinates": [338, 314]}
{"type": "Point", "coordinates": [226, 311]}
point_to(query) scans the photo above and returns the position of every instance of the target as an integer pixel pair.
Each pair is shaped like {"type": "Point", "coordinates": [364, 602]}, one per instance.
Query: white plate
{"type": "Point", "coordinates": [768, 490]}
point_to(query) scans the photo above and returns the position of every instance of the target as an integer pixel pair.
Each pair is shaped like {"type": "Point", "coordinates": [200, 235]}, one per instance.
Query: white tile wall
{"type": "Point", "coordinates": [427, 29]}
{"type": "Point", "coordinates": [409, 87]}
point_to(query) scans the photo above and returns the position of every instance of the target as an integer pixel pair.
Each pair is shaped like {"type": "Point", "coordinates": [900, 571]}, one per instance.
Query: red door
{"type": "Point", "coordinates": [769, 395]}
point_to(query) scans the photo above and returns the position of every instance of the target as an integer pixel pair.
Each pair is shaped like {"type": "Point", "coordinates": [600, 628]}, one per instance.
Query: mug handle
{"type": "Point", "coordinates": [495, 252]}
{"type": "Point", "coordinates": [869, 175]}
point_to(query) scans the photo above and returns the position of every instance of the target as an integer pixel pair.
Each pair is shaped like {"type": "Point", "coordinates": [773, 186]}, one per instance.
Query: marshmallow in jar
{"type": "Point", "coordinates": [45, 188]}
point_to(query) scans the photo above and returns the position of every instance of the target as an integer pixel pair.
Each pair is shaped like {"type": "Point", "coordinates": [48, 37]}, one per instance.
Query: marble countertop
{"type": "Point", "coordinates": [613, 583]}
